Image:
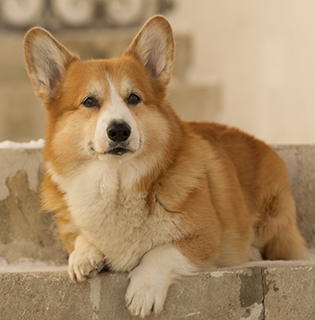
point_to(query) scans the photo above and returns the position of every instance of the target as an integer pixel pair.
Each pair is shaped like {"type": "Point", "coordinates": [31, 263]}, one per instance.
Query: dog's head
{"type": "Point", "coordinates": [104, 109]}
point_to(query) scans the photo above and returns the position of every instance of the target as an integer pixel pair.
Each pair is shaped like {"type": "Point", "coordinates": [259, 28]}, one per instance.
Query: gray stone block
{"type": "Point", "coordinates": [281, 292]}
{"type": "Point", "coordinates": [43, 295]}
{"type": "Point", "coordinates": [226, 294]}
{"type": "Point", "coordinates": [289, 293]}
{"type": "Point", "coordinates": [25, 230]}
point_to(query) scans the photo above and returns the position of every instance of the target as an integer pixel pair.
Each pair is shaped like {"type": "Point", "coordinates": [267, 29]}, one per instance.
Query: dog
{"type": "Point", "coordinates": [138, 190]}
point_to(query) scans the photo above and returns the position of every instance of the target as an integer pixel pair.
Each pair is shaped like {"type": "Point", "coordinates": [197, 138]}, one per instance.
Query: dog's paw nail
{"type": "Point", "coordinates": [89, 273]}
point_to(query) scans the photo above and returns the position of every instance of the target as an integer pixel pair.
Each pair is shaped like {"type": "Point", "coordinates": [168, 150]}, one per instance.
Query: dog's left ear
{"type": "Point", "coordinates": [154, 47]}
{"type": "Point", "coordinates": [47, 61]}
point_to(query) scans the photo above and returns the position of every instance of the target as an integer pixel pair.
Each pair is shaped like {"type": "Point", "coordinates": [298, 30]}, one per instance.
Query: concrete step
{"type": "Point", "coordinates": [282, 291]}
{"type": "Point", "coordinates": [35, 284]}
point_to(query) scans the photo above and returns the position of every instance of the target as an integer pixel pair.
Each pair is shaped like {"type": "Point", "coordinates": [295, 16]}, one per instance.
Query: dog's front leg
{"type": "Point", "coordinates": [85, 260]}
{"type": "Point", "coordinates": [149, 281]}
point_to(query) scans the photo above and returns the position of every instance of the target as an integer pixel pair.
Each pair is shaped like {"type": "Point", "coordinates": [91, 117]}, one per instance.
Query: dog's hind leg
{"type": "Point", "coordinates": [276, 230]}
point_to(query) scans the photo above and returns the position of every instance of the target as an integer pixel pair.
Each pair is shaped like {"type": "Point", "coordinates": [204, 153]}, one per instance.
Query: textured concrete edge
{"type": "Point", "coordinates": [26, 231]}
{"type": "Point", "coordinates": [222, 295]}
{"type": "Point", "coordinates": [13, 160]}
{"type": "Point", "coordinates": [263, 293]}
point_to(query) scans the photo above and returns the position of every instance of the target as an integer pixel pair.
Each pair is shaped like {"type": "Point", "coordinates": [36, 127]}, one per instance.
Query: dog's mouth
{"type": "Point", "coordinates": [115, 151]}
{"type": "Point", "coordinates": [118, 151]}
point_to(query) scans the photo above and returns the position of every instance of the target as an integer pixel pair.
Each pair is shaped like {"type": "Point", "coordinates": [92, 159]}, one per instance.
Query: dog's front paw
{"type": "Point", "coordinates": [146, 293]}
{"type": "Point", "coordinates": [85, 262]}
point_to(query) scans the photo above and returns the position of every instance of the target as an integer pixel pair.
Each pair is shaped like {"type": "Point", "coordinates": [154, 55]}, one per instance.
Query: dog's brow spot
{"type": "Point", "coordinates": [96, 89]}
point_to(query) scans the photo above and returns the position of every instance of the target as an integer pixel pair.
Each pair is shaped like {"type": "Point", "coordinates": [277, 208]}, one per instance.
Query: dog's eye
{"type": "Point", "coordinates": [90, 102]}
{"type": "Point", "coordinates": [133, 99]}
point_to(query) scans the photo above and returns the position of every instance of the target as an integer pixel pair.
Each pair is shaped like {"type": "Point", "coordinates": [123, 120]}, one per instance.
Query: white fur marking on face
{"type": "Point", "coordinates": [115, 110]}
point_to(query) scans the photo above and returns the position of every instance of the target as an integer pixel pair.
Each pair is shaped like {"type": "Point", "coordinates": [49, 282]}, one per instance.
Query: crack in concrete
{"type": "Point", "coordinates": [264, 292]}
{"type": "Point", "coordinates": [19, 204]}
{"type": "Point", "coordinates": [252, 294]}
{"type": "Point", "coordinates": [95, 295]}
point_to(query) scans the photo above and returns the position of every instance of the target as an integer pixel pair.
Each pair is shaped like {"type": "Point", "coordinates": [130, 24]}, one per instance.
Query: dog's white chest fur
{"type": "Point", "coordinates": [113, 217]}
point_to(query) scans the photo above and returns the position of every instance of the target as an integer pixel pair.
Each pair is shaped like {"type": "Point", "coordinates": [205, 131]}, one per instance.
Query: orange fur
{"type": "Point", "coordinates": [223, 193]}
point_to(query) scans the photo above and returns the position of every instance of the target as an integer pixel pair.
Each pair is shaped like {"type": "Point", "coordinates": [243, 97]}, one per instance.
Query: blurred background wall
{"type": "Point", "coordinates": [246, 63]}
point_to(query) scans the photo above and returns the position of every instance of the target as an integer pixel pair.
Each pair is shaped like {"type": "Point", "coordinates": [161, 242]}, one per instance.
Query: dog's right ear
{"type": "Point", "coordinates": [47, 61]}
{"type": "Point", "coordinates": [154, 47]}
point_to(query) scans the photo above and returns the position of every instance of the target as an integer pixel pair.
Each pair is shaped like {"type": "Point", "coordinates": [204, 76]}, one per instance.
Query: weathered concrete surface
{"type": "Point", "coordinates": [285, 292]}
{"type": "Point", "coordinates": [289, 293]}
{"type": "Point", "coordinates": [14, 160]}
{"type": "Point", "coordinates": [43, 296]}
{"type": "Point", "coordinates": [220, 295]}
{"type": "Point", "coordinates": [25, 230]}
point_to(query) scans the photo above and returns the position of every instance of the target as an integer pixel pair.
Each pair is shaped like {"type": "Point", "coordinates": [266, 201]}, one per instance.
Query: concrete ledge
{"type": "Point", "coordinates": [282, 292]}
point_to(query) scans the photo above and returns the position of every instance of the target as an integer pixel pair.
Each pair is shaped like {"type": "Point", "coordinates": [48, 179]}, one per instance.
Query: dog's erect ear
{"type": "Point", "coordinates": [154, 47]}
{"type": "Point", "coordinates": [46, 60]}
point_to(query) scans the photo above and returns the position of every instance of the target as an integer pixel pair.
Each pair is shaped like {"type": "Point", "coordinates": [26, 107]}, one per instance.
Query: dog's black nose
{"type": "Point", "coordinates": [118, 131]}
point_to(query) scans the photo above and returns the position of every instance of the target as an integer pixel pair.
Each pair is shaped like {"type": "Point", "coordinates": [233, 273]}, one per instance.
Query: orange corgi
{"type": "Point", "coordinates": [137, 189]}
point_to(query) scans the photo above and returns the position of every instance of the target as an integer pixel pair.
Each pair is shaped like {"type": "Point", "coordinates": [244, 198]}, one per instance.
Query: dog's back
{"type": "Point", "coordinates": [264, 180]}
